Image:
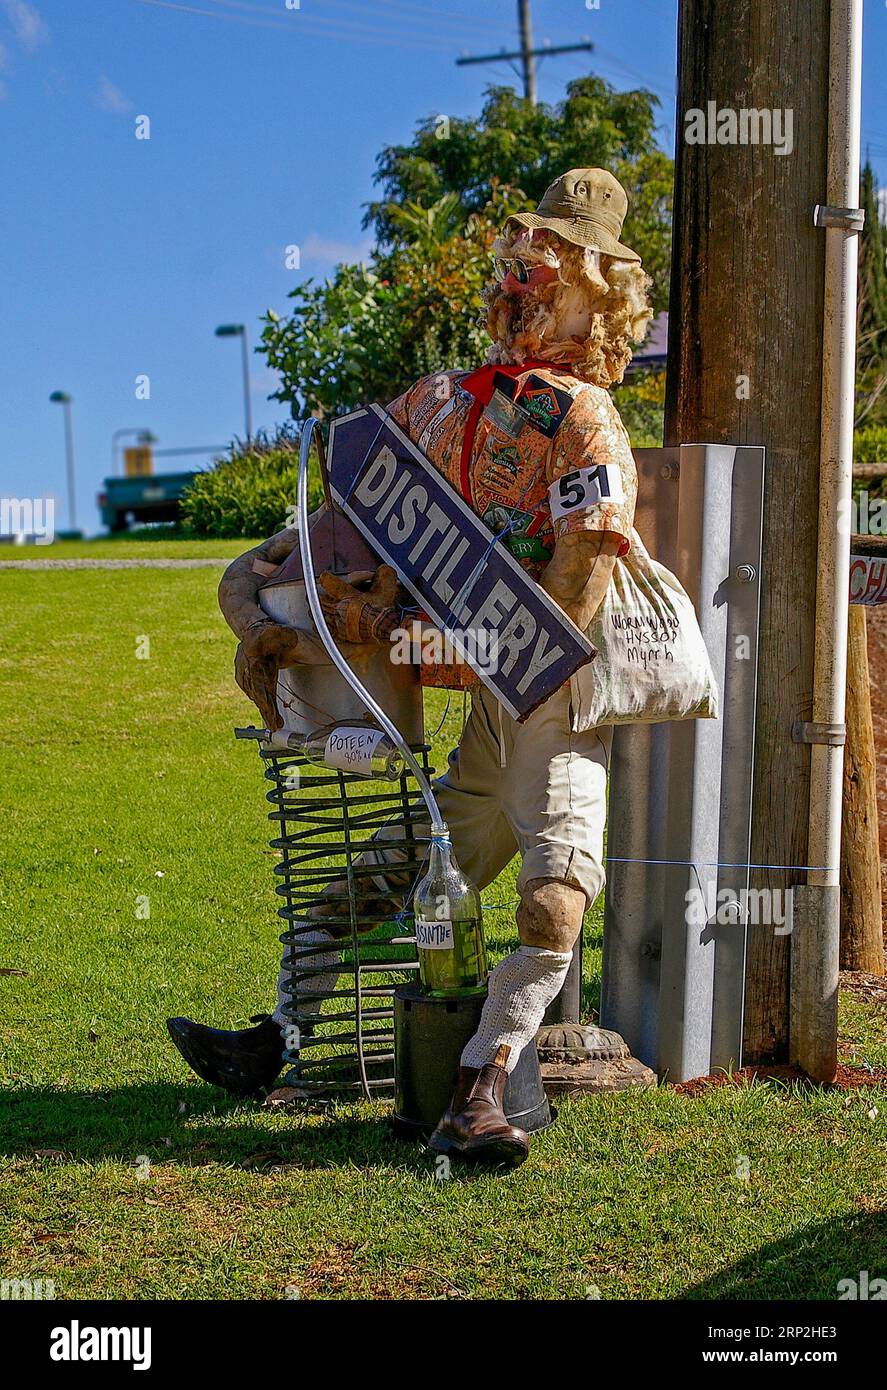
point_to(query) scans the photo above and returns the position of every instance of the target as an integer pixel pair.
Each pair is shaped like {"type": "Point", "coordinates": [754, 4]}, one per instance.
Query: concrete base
{"type": "Point", "coordinates": [582, 1058]}
{"type": "Point", "coordinates": [595, 1078]}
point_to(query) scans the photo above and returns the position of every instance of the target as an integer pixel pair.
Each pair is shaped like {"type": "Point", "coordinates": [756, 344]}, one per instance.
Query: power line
{"type": "Point", "coordinates": [527, 53]}
{"type": "Point", "coordinates": [303, 27]}
{"type": "Point", "coordinates": [369, 33]}
{"type": "Point", "coordinates": [372, 30]}
{"type": "Point", "coordinates": [336, 22]}
{"type": "Point", "coordinates": [655, 85]}
{"type": "Point", "coordinates": [416, 11]}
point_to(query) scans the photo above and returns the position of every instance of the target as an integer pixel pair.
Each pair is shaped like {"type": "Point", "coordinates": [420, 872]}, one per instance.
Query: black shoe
{"type": "Point", "coordinates": [243, 1063]}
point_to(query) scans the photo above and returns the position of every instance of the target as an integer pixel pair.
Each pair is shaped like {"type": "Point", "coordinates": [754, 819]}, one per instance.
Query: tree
{"type": "Point", "coordinates": [871, 312]}
{"type": "Point", "coordinates": [427, 227]}
{"type": "Point", "coordinates": [525, 148]}
{"type": "Point", "coordinates": [368, 332]}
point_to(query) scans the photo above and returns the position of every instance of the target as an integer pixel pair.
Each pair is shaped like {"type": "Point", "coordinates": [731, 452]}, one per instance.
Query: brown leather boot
{"type": "Point", "coordinates": [474, 1126]}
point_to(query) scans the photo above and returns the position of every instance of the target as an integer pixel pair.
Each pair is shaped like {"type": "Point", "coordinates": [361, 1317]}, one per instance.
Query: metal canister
{"type": "Point", "coordinates": [314, 695]}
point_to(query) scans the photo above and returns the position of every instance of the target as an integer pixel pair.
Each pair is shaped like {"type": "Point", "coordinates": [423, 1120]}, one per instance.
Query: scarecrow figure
{"type": "Point", "coordinates": [526, 439]}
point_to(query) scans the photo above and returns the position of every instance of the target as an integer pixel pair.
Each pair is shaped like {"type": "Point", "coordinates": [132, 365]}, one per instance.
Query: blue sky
{"type": "Point", "coordinates": [119, 256]}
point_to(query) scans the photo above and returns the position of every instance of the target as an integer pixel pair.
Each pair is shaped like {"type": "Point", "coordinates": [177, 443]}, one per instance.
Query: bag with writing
{"type": "Point", "coordinates": [652, 663]}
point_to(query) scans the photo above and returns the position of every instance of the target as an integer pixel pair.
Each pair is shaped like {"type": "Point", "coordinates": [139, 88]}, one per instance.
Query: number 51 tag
{"type": "Point", "coordinates": [585, 487]}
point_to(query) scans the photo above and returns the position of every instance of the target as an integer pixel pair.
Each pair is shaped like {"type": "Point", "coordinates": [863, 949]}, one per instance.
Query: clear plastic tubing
{"type": "Point", "coordinates": [438, 824]}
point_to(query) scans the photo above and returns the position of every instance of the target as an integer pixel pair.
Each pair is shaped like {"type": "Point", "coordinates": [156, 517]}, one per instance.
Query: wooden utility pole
{"type": "Point", "coordinates": [526, 54]}
{"type": "Point", "coordinates": [862, 944]}
{"type": "Point", "coordinates": [745, 367]}
{"type": "Point", "coordinates": [526, 43]}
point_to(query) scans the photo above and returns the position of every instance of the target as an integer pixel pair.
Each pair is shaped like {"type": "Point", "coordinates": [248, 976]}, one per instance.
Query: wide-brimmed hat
{"type": "Point", "coordinates": [586, 207]}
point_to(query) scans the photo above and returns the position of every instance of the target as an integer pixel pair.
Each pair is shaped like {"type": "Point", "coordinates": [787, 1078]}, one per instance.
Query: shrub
{"type": "Point", "coordinates": [368, 334]}
{"type": "Point", "coordinates": [640, 401]}
{"type": "Point", "coordinates": [870, 444]}
{"type": "Point", "coordinates": [251, 491]}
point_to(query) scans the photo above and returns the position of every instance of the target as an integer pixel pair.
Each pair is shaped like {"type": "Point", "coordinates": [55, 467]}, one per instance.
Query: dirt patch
{"type": "Point", "coordinates": [872, 988]}
{"type": "Point", "coordinates": [699, 1084]}
{"type": "Point", "coordinates": [847, 1078]}
{"type": "Point", "coordinates": [340, 1271]}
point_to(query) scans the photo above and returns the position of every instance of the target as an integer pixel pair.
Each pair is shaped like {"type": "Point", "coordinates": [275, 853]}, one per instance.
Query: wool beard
{"type": "Point", "coordinates": [525, 327]}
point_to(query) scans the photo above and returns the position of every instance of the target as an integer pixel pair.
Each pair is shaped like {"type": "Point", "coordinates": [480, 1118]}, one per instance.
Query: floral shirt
{"type": "Point", "coordinates": [550, 456]}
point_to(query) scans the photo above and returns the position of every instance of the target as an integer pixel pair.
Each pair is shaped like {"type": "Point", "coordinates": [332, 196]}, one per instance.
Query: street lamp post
{"type": "Point", "coordinates": [62, 398]}
{"type": "Point", "coordinates": [238, 330]}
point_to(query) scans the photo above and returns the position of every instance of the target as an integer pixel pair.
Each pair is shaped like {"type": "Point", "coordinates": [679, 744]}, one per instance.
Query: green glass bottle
{"type": "Point", "coordinates": [449, 927]}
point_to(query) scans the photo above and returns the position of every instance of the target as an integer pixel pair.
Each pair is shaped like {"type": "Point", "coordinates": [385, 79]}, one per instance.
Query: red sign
{"type": "Point", "coordinates": [868, 579]}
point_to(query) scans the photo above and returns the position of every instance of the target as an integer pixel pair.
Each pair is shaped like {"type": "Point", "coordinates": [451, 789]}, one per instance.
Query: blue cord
{"type": "Point", "coordinates": [718, 864]}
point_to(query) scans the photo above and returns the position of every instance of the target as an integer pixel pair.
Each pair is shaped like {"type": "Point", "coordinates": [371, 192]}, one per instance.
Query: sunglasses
{"type": "Point", "coordinates": [519, 269]}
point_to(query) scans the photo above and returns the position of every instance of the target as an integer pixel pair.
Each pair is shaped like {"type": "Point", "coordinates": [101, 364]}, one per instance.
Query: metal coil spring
{"type": "Point", "coordinates": [327, 820]}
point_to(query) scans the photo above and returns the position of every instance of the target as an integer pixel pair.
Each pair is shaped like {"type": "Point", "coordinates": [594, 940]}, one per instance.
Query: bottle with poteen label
{"type": "Point", "coordinates": [351, 747]}
{"type": "Point", "coordinates": [449, 930]}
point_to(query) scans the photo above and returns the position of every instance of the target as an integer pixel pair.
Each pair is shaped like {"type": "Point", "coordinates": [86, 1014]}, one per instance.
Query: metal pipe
{"type": "Point", "coordinates": [438, 824]}
{"type": "Point", "coordinates": [814, 1042]}
{"type": "Point", "coordinates": [247, 401]}
{"type": "Point", "coordinates": [69, 464]}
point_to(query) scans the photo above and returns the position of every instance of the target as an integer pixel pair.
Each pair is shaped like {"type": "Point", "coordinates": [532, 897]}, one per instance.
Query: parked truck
{"type": "Point", "coordinates": [140, 499]}
{"type": "Point", "coordinates": [142, 495]}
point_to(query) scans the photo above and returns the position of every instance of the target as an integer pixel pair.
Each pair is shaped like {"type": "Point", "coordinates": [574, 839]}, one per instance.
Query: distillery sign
{"type": "Point", "coordinates": [455, 567]}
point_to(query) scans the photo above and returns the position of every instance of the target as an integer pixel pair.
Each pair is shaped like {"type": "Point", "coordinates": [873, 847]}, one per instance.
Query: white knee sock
{"type": "Point", "coordinates": [520, 990]}
{"type": "Point", "coordinates": [327, 961]}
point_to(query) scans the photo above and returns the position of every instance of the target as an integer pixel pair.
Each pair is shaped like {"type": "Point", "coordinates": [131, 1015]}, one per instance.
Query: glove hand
{"type": "Point", "coordinates": [265, 650]}
{"type": "Point", "coordinates": [360, 614]}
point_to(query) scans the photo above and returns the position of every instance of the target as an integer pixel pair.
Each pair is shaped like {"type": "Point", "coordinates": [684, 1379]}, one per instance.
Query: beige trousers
{"type": "Point", "coordinates": [536, 788]}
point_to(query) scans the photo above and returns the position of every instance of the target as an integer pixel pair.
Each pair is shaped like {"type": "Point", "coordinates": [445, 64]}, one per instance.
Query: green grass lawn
{"type": "Point", "coordinates": [159, 547]}
{"type": "Point", "coordinates": [122, 1176]}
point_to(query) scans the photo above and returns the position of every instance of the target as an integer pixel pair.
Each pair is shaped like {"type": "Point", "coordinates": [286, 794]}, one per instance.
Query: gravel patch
{"type": "Point", "coordinates": [208, 563]}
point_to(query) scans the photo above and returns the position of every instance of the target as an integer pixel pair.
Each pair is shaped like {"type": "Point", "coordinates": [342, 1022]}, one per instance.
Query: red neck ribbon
{"type": "Point", "coordinates": [479, 384]}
